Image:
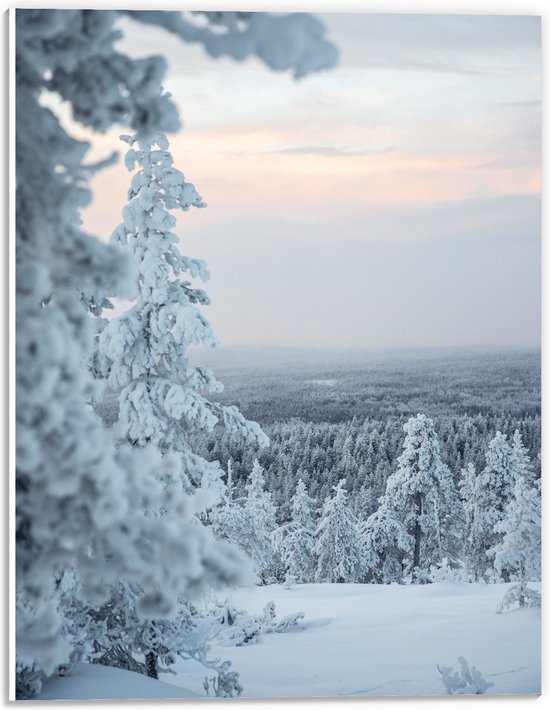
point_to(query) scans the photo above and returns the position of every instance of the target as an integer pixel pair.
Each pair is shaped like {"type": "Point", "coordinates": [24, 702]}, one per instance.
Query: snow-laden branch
{"type": "Point", "coordinates": [296, 41]}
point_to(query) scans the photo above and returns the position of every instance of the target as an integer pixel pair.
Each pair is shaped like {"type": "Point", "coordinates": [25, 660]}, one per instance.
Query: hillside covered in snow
{"type": "Point", "coordinates": [354, 640]}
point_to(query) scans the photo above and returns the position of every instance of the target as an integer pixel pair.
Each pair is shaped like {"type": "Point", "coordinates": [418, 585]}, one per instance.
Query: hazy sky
{"type": "Point", "coordinates": [392, 201]}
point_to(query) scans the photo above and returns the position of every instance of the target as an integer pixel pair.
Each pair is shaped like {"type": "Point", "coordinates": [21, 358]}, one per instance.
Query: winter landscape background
{"type": "Point", "coordinates": [344, 498]}
{"type": "Point", "coordinates": [333, 414]}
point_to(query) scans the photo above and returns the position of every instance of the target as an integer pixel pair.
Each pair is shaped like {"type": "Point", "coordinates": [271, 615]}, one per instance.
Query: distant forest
{"type": "Point", "coordinates": [332, 415]}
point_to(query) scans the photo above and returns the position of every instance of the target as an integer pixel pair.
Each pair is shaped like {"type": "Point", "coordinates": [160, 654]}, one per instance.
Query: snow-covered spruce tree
{"type": "Point", "coordinates": [468, 494]}
{"type": "Point", "coordinates": [261, 513]}
{"type": "Point", "coordinates": [338, 547]}
{"type": "Point", "coordinates": [518, 553]}
{"type": "Point", "coordinates": [521, 462]}
{"type": "Point", "coordinates": [249, 522]}
{"type": "Point", "coordinates": [386, 547]}
{"type": "Point", "coordinates": [295, 541]}
{"type": "Point", "coordinates": [467, 487]}
{"type": "Point", "coordinates": [115, 634]}
{"type": "Point", "coordinates": [421, 495]}
{"type": "Point", "coordinates": [142, 353]}
{"type": "Point", "coordinates": [493, 490]}
{"type": "Point", "coordinates": [79, 501]}
{"type": "Point", "coordinates": [229, 519]}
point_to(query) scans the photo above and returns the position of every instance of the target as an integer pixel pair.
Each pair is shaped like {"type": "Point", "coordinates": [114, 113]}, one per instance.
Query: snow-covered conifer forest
{"type": "Point", "coordinates": [193, 520]}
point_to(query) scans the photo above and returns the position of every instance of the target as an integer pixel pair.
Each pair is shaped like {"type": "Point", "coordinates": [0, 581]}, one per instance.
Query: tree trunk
{"type": "Point", "coordinates": [521, 587]}
{"type": "Point", "coordinates": [151, 664]}
{"type": "Point", "coordinates": [417, 538]}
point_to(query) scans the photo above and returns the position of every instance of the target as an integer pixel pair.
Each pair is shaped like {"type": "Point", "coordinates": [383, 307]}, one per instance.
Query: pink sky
{"type": "Point", "coordinates": [393, 201]}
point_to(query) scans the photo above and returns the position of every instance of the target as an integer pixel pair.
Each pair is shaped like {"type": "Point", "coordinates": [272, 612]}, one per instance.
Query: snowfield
{"type": "Point", "coordinates": [360, 640]}
{"type": "Point", "coordinates": [355, 640]}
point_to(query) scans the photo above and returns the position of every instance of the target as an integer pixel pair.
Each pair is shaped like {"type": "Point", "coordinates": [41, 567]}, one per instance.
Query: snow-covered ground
{"type": "Point", "coordinates": [355, 640]}
{"type": "Point", "coordinates": [93, 682]}
{"type": "Point", "coordinates": [382, 640]}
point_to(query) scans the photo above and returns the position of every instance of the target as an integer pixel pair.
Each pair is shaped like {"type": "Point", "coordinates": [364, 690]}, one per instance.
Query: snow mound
{"type": "Point", "coordinates": [95, 682]}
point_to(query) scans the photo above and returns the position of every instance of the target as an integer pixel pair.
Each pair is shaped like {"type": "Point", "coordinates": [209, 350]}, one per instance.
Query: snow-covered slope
{"type": "Point", "coordinates": [93, 682]}
{"type": "Point", "coordinates": [356, 640]}
{"type": "Point", "coordinates": [382, 640]}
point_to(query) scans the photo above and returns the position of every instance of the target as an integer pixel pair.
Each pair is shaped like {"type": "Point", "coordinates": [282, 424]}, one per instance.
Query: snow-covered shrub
{"type": "Point", "coordinates": [519, 595]}
{"type": "Point", "coordinates": [290, 621]}
{"type": "Point", "coordinates": [290, 581]}
{"type": "Point", "coordinates": [242, 628]}
{"type": "Point", "coordinates": [42, 644]}
{"type": "Point", "coordinates": [246, 631]}
{"type": "Point", "coordinates": [225, 684]}
{"type": "Point", "coordinates": [467, 681]}
{"type": "Point", "coordinates": [28, 680]}
{"type": "Point", "coordinates": [116, 635]}
{"type": "Point", "coordinates": [444, 571]}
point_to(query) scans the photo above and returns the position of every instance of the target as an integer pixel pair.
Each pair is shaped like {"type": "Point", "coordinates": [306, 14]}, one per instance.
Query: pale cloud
{"type": "Point", "coordinates": [327, 151]}
{"type": "Point", "coordinates": [457, 273]}
{"type": "Point", "coordinates": [463, 44]}
{"type": "Point", "coordinates": [392, 201]}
